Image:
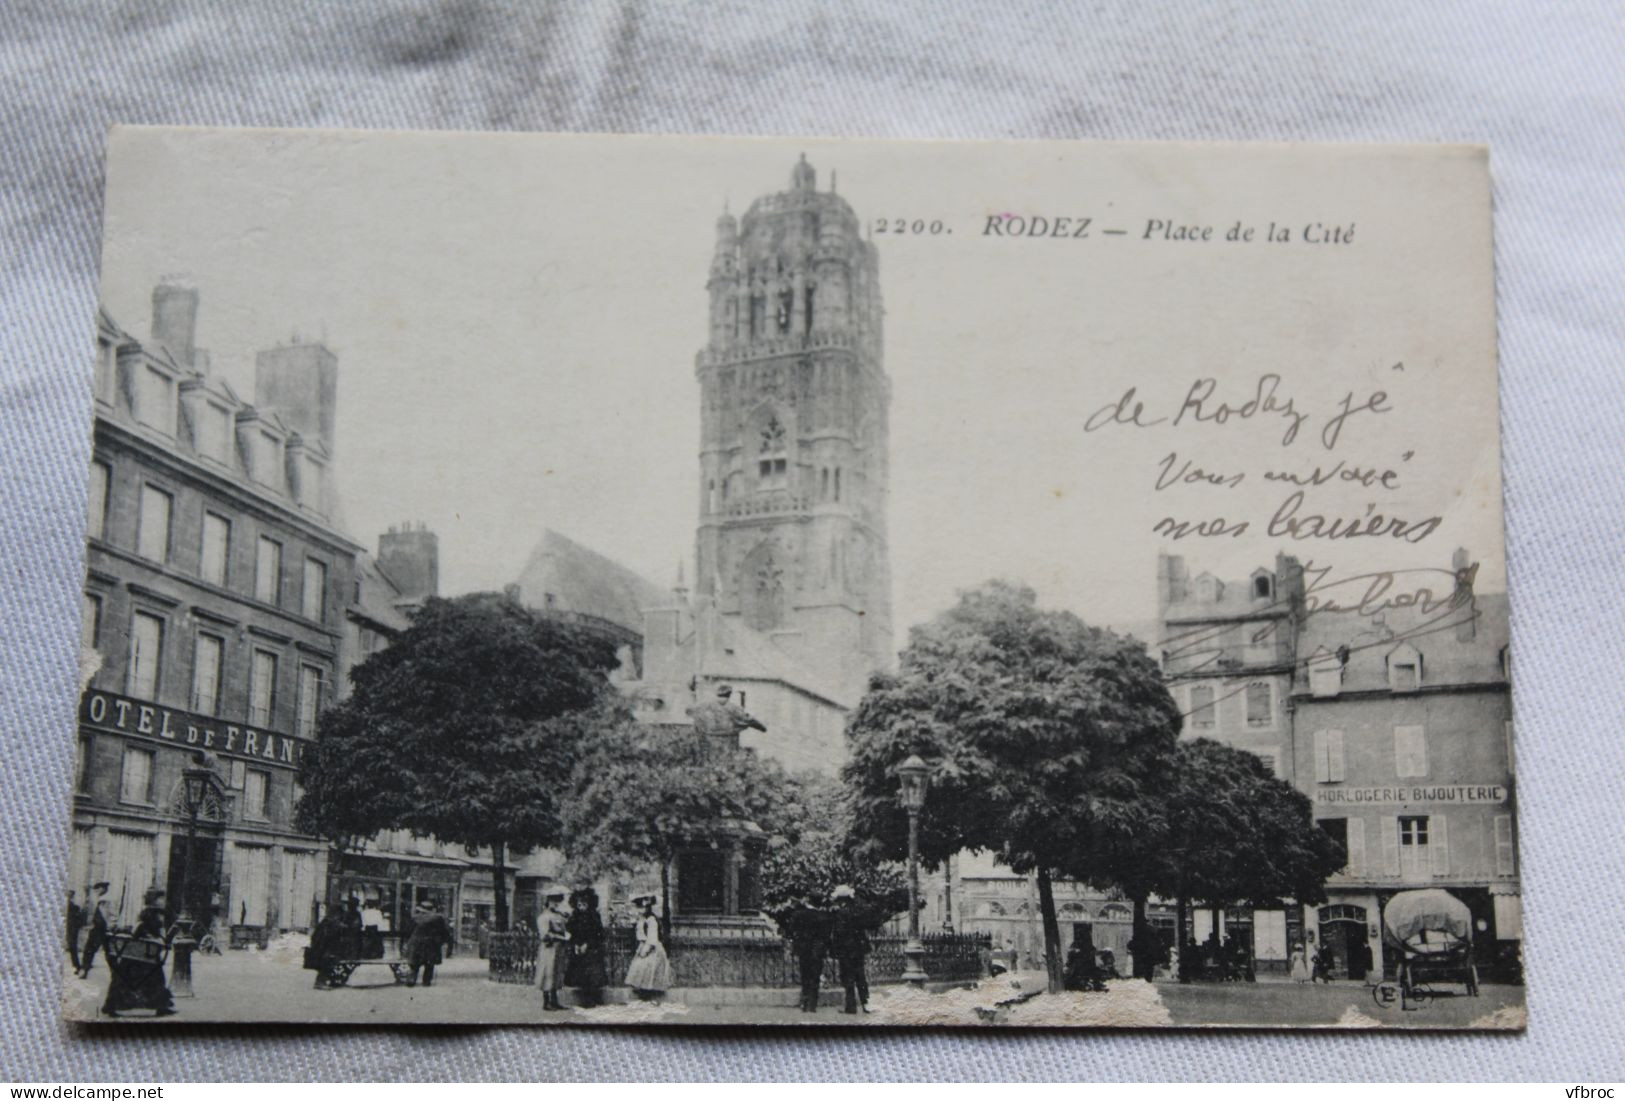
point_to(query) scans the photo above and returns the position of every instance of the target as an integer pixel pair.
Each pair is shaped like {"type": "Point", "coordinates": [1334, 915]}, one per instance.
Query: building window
{"type": "Point", "coordinates": [1405, 669]}
{"type": "Point", "coordinates": [315, 594]}
{"type": "Point", "coordinates": [1337, 829]}
{"type": "Point", "coordinates": [207, 660]}
{"type": "Point", "coordinates": [268, 571]}
{"type": "Point", "coordinates": [1325, 673]}
{"type": "Point", "coordinates": [262, 688]}
{"type": "Point", "coordinates": [1203, 713]}
{"type": "Point", "coordinates": [1506, 856]}
{"type": "Point", "coordinates": [310, 699]}
{"type": "Point", "coordinates": [216, 548]}
{"type": "Point", "coordinates": [135, 782]}
{"type": "Point", "coordinates": [772, 464]}
{"type": "Point", "coordinates": [311, 478]}
{"type": "Point", "coordinates": [90, 622]}
{"type": "Point", "coordinates": [1260, 705]}
{"type": "Point", "coordinates": [155, 404]}
{"type": "Point", "coordinates": [152, 538]}
{"type": "Point", "coordinates": [1261, 586]}
{"type": "Point", "coordinates": [1329, 765]}
{"type": "Point", "coordinates": [101, 478]}
{"type": "Point", "coordinates": [255, 784]}
{"type": "Point", "coordinates": [1269, 763]}
{"type": "Point", "coordinates": [837, 483]}
{"type": "Point", "coordinates": [269, 471]}
{"type": "Point", "coordinates": [146, 655]}
{"type": "Point", "coordinates": [214, 433]}
{"type": "Point", "coordinates": [1423, 847]}
{"type": "Point", "coordinates": [1410, 751]}
{"type": "Point", "coordinates": [81, 769]}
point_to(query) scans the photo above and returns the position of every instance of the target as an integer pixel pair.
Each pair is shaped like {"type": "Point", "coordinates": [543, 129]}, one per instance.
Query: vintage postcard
{"type": "Point", "coordinates": [585, 580]}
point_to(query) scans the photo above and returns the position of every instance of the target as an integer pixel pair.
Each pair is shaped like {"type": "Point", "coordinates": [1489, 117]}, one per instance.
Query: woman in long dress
{"type": "Point", "coordinates": [649, 976]}
{"type": "Point", "coordinates": [1300, 964]}
{"type": "Point", "coordinates": [585, 971]}
{"type": "Point", "coordinates": [148, 991]}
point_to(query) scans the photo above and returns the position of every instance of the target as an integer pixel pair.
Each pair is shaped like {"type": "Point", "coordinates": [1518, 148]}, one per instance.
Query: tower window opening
{"type": "Point", "coordinates": [823, 484]}
{"type": "Point", "coordinates": [786, 299]}
{"type": "Point", "coordinates": [837, 483]}
{"type": "Point", "coordinates": [772, 464]}
{"type": "Point", "coordinates": [807, 312]}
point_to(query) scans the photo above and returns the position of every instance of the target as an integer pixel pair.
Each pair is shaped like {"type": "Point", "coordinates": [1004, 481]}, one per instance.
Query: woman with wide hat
{"type": "Point", "coordinates": [585, 972]}
{"type": "Point", "coordinates": [649, 976]}
{"type": "Point", "coordinates": [553, 927]}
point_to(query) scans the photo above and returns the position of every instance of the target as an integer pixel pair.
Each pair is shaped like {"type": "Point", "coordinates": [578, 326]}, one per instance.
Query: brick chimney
{"type": "Point", "coordinates": [409, 555]}
{"type": "Point", "coordinates": [299, 381]}
{"type": "Point", "coordinates": [174, 318]}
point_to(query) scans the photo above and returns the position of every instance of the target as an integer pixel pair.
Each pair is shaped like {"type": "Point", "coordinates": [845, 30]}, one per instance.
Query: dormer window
{"type": "Point", "coordinates": [1405, 669]}
{"type": "Point", "coordinates": [1263, 585]}
{"type": "Point", "coordinates": [268, 469]}
{"type": "Point", "coordinates": [1325, 673]}
{"type": "Point", "coordinates": [155, 400]}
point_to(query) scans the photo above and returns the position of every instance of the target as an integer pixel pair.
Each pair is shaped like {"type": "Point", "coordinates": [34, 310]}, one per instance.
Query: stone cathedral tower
{"type": "Point", "coordinates": [793, 449]}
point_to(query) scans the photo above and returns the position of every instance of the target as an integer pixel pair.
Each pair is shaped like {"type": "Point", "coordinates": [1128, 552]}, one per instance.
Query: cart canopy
{"type": "Point", "coordinates": [1427, 920]}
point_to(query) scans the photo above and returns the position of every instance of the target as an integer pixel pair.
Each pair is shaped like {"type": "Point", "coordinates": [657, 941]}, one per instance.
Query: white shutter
{"type": "Point", "coordinates": [1505, 853]}
{"type": "Point", "coordinates": [1439, 845]}
{"type": "Point", "coordinates": [1356, 847]}
{"type": "Point", "coordinates": [1334, 755]}
{"type": "Point", "coordinates": [1390, 846]}
{"type": "Point", "coordinates": [1322, 769]}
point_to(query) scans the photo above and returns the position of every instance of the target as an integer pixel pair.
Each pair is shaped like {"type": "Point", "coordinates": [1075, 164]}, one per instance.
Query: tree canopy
{"type": "Point", "coordinates": [1043, 732]}
{"type": "Point", "coordinates": [465, 728]}
{"type": "Point", "coordinates": [814, 853]}
{"type": "Point", "coordinates": [640, 794]}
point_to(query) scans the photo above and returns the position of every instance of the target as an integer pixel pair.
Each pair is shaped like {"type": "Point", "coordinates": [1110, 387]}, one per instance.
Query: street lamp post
{"type": "Point", "coordinates": [914, 775]}
{"type": "Point", "coordinates": [195, 783]}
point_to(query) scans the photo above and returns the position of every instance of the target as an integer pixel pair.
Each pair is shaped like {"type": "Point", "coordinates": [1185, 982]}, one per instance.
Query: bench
{"type": "Point", "coordinates": [339, 972]}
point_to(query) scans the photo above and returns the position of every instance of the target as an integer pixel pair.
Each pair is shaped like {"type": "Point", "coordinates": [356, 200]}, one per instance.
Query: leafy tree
{"type": "Point", "coordinates": [1216, 827]}
{"type": "Point", "coordinates": [641, 794]}
{"type": "Point", "coordinates": [1043, 732]}
{"type": "Point", "coordinates": [465, 728]}
{"type": "Point", "coordinates": [814, 854]}
{"type": "Point", "coordinates": [1234, 833]}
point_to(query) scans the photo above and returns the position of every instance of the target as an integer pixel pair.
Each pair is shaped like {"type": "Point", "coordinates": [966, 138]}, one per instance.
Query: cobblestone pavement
{"type": "Point", "coordinates": [271, 986]}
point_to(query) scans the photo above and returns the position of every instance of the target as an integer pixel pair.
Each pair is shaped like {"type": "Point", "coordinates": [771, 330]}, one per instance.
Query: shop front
{"type": "Point", "coordinates": [386, 888]}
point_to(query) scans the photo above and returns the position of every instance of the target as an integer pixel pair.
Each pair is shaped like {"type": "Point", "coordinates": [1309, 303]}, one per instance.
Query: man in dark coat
{"type": "Point", "coordinates": [96, 918]}
{"type": "Point", "coordinates": [808, 932]}
{"type": "Point", "coordinates": [327, 947]}
{"type": "Point", "coordinates": [849, 941]}
{"type": "Point", "coordinates": [430, 934]}
{"type": "Point", "coordinates": [76, 922]}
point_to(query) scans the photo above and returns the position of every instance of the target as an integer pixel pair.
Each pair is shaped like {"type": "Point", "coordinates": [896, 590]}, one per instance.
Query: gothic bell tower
{"type": "Point", "coordinates": [793, 446]}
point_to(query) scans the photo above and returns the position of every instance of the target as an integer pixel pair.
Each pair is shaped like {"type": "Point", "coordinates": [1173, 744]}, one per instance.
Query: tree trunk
{"type": "Point", "coordinates": [499, 876]}
{"type": "Point", "coordinates": [1052, 930]}
{"type": "Point", "coordinates": [665, 902]}
{"type": "Point", "coordinates": [1182, 933]}
{"type": "Point", "coordinates": [1145, 963]}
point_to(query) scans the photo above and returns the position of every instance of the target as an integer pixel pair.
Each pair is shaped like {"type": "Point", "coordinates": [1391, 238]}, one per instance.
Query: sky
{"type": "Point", "coordinates": [516, 319]}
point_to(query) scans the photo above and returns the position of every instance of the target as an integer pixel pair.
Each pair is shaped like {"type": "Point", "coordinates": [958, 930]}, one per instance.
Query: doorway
{"type": "Point", "coordinates": [1342, 929]}
{"type": "Point", "coordinates": [194, 885]}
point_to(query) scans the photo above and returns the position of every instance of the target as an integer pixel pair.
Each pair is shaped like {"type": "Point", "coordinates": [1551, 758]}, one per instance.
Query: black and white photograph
{"type": "Point", "coordinates": [596, 580]}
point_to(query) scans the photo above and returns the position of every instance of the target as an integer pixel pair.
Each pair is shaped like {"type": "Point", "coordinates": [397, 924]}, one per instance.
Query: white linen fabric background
{"type": "Point", "coordinates": [1542, 83]}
